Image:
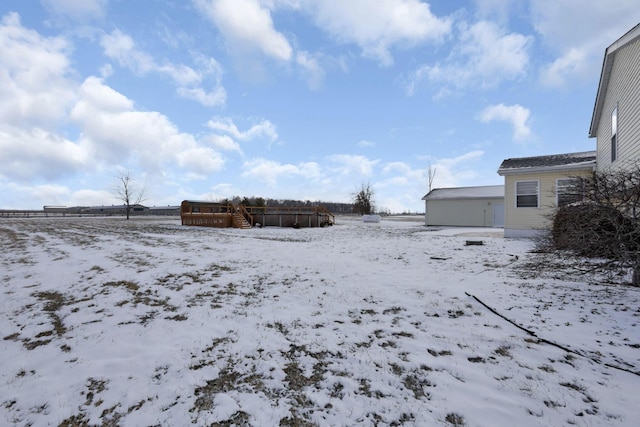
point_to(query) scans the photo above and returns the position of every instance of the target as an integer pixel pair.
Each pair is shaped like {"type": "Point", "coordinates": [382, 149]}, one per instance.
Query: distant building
{"type": "Point", "coordinates": [164, 210]}
{"type": "Point", "coordinates": [115, 210]}
{"type": "Point", "coordinates": [465, 206]}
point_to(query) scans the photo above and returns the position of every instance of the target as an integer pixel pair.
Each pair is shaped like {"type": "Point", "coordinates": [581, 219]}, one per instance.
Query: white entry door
{"type": "Point", "coordinates": [498, 214]}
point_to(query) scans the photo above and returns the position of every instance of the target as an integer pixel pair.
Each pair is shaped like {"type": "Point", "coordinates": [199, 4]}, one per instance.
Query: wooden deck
{"type": "Point", "coordinates": [209, 214]}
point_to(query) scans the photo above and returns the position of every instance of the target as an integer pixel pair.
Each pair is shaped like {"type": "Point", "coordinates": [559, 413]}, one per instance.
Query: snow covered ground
{"type": "Point", "coordinates": [145, 322]}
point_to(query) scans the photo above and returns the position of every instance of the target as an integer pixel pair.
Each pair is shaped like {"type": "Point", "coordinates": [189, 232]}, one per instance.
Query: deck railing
{"type": "Point", "coordinates": [242, 216]}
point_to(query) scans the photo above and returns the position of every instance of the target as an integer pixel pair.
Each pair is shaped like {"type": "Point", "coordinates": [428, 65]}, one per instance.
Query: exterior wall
{"type": "Point", "coordinates": [527, 222]}
{"type": "Point", "coordinates": [461, 212]}
{"type": "Point", "coordinates": [301, 220]}
{"type": "Point", "coordinates": [623, 90]}
{"type": "Point", "coordinates": [217, 220]}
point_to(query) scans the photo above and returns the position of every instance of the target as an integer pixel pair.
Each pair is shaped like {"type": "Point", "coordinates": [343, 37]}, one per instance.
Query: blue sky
{"type": "Point", "coordinates": [296, 99]}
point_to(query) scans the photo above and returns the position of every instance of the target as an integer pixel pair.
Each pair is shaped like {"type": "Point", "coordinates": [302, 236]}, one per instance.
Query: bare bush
{"type": "Point", "coordinates": [363, 203]}
{"type": "Point", "coordinates": [606, 222]}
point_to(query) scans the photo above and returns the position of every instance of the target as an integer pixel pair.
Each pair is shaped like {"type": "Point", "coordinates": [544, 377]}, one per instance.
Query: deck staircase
{"type": "Point", "coordinates": [239, 221]}
{"type": "Point", "coordinates": [240, 217]}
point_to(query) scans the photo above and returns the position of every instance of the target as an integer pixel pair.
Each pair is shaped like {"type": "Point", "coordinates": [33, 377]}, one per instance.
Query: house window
{"type": "Point", "coordinates": [568, 191]}
{"type": "Point", "coordinates": [614, 134]}
{"type": "Point", "coordinates": [527, 194]}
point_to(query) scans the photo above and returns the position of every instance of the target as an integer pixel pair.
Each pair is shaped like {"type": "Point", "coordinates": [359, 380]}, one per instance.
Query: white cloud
{"type": "Point", "coordinates": [264, 129]}
{"type": "Point", "coordinates": [579, 35]}
{"type": "Point", "coordinates": [199, 162]}
{"type": "Point", "coordinates": [103, 98]}
{"type": "Point", "coordinates": [490, 51]}
{"type": "Point", "coordinates": [311, 68]}
{"type": "Point", "coordinates": [222, 191]}
{"type": "Point", "coordinates": [223, 142]}
{"type": "Point", "coordinates": [568, 23]}
{"type": "Point", "coordinates": [270, 172]}
{"type": "Point", "coordinates": [454, 172]}
{"type": "Point", "coordinates": [396, 167]}
{"type": "Point", "coordinates": [401, 184]}
{"type": "Point", "coordinates": [40, 102]}
{"type": "Point", "coordinates": [574, 62]}
{"type": "Point", "coordinates": [35, 96]}
{"type": "Point", "coordinates": [346, 164]}
{"type": "Point", "coordinates": [34, 87]}
{"type": "Point", "coordinates": [517, 115]}
{"type": "Point", "coordinates": [181, 74]}
{"type": "Point", "coordinates": [495, 9]}
{"type": "Point", "coordinates": [38, 153]}
{"type": "Point", "coordinates": [89, 197]}
{"type": "Point", "coordinates": [114, 132]}
{"type": "Point", "coordinates": [377, 27]}
{"type": "Point", "coordinates": [247, 27]}
{"type": "Point", "coordinates": [218, 96]}
{"type": "Point", "coordinates": [485, 55]}
{"type": "Point", "coordinates": [121, 48]}
{"type": "Point", "coordinates": [365, 143]}
{"type": "Point", "coordinates": [25, 195]}
{"type": "Point", "coordinates": [77, 10]}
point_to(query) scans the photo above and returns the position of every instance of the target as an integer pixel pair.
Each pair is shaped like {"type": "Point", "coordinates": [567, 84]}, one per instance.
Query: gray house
{"type": "Point", "coordinates": [465, 206]}
{"type": "Point", "coordinates": [616, 114]}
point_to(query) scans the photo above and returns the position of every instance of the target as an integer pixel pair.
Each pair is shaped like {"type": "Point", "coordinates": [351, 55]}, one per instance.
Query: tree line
{"type": "Point", "coordinates": [334, 207]}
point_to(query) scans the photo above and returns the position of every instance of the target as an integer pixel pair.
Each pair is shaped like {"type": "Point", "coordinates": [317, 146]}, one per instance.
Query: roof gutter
{"type": "Point", "coordinates": [590, 165]}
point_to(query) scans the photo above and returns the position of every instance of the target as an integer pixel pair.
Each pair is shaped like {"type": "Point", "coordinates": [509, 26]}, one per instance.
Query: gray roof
{"type": "Point", "coordinates": [483, 192]}
{"type": "Point", "coordinates": [581, 160]}
{"type": "Point", "coordinates": [605, 75]}
{"type": "Point", "coordinates": [113, 207]}
{"type": "Point", "coordinates": [157, 208]}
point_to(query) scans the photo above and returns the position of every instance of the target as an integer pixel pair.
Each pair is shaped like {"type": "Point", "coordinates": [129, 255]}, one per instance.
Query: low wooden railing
{"type": "Point", "coordinates": [242, 216]}
{"type": "Point", "coordinates": [324, 216]}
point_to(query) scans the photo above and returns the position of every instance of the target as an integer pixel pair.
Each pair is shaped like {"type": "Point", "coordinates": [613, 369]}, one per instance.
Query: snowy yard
{"type": "Point", "coordinates": [145, 322]}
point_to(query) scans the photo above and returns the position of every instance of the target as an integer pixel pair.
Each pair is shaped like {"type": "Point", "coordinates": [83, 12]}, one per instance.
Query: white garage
{"type": "Point", "coordinates": [465, 206]}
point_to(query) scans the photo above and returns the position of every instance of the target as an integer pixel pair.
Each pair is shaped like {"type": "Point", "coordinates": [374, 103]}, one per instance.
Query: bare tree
{"type": "Point", "coordinates": [606, 222]}
{"type": "Point", "coordinates": [363, 202]}
{"type": "Point", "coordinates": [126, 191]}
{"type": "Point", "coordinates": [431, 175]}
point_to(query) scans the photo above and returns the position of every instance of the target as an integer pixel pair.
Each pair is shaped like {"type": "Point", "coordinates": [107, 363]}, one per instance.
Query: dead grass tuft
{"type": "Point", "coordinates": [131, 286]}
{"type": "Point", "coordinates": [503, 351]}
{"type": "Point", "coordinates": [455, 419]}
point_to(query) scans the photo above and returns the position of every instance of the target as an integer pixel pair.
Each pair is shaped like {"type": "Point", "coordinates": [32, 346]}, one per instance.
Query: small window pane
{"type": "Point", "coordinates": [527, 194]}
{"type": "Point", "coordinates": [527, 201]}
{"type": "Point", "coordinates": [528, 187]}
{"type": "Point", "coordinates": [614, 148]}
{"type": "Point", "coordinates": [568, 191]}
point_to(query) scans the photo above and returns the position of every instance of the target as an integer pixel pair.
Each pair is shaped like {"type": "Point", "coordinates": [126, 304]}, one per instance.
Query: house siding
{"type": "Point", "coordinates": [623, 91]}
{"type": "Point", "coordinates": [462, 212]}
{"type": "Point", "coordinates": [525, 222]}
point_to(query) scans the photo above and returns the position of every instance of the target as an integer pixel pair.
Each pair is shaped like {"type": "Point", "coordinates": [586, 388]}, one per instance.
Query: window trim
{"type": "Point", "coordinates": [537, 194]}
